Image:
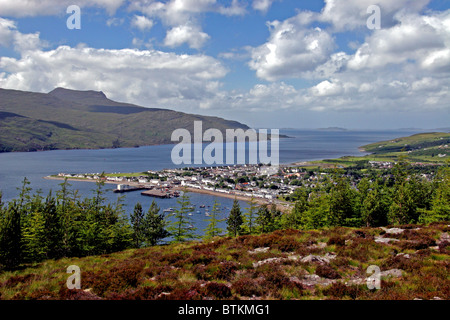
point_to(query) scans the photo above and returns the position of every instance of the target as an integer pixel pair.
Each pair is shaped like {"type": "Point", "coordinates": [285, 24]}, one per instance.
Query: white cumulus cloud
{"type": "Point", "coordinates": [291, 50]}
{"type": "Point", "coordinates": [189, 34]}
{"type": "Point", "coordinates": [141, 22]}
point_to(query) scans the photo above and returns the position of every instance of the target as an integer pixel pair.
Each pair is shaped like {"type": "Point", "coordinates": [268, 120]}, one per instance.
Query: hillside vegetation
{"type": "Point", "coordinates": [291, 264]}
{"type": "Point", "coordinates": [68, 119]}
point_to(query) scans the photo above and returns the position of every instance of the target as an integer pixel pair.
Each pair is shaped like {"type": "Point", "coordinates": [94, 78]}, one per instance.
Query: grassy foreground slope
{"type": "Point", "coordinates": [332, 263]}
{"type": "Point", "coordinates": [69, 119]}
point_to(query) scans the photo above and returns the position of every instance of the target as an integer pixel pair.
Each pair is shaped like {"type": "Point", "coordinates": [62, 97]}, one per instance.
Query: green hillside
{"type": "Point", "coordinates": [431, 142]}
{"type": "Point", "coordinates": [69, 119]}
{"type": "Point", "coordinates": [432, 148]}
{"type": "Point", "coordinates": [423, 147]}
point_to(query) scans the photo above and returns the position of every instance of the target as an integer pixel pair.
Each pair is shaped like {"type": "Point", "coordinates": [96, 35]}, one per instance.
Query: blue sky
{"type": "Point", "coordinates": [267, 63]}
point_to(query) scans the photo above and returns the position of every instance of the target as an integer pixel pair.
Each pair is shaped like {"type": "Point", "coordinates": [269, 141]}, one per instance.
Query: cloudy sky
{"type": "Point", "coordinates": [267, 63]}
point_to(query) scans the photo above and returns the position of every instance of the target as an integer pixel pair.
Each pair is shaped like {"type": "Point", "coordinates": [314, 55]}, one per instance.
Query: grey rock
{"type": "Point", "coordinates": [319, 259]}
{"type": "Point", "coordinates": [445, 237]}
{"type": "Point", "coordinates": [393, 230]}
{"type": "Point", "coordinates": [395, 273]}
{"type": "Point", "coordinates": [384, 240]}
{"type": "Point", "coordinates": [259, 250]}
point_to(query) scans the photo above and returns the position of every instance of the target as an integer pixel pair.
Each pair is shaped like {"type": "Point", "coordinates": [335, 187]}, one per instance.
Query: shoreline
{"type": "Point", "coordinates": [280, 206]}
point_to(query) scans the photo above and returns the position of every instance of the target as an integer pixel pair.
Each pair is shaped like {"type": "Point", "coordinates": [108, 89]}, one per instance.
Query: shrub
{"type": "Point", "coordinates": [43, 294]}
{"type": "Point", "coordinates": [247, 287]}
{"type": "Point", "coordinates": [288, 244]}
{"type": "Point", "coordinates": [444, 247]}
{"type": "Point", "coordinates": [265, 240]}
{"type": "Point", "coordinates": [201, 272]}
{"type": "Point", "coordinates": [325, 271]}
{"type": "Point", "coordinates": [276, 279]}
{"type": "Point", "coordinates": [340, 290]}
{"type": "Point", "coordinates": [218, 290]}
{"type": "Point", "coordinates": [225, 270]}
{"type": "Point", "coordinates": [204, 256]}
{"type": "Point", "coordinates": [401, 262]}
{"type": "Point", "coordinates": [362, 234]}
{"type": "Point", "coordinates": [126, 274]}
{"type": "Point", "coordinates": [336, 240]}
{"type": "Point", "coordinates": [175, 258]}
{"type": "Point", "coordinates": [74, 294]}
{"type": "Point", "coordinates": [416, 241]}
{"type": "Point", "coordinates": [15, 280]}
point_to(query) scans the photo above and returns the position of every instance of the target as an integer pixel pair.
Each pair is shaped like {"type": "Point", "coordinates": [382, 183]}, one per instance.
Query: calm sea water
{"type": "Point", "coordinates": [304, 145]}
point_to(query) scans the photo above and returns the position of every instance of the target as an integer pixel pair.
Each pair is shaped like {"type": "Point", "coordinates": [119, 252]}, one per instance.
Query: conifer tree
{"type": "Point", "coordinates": [375, 206]}
{"type": "Point", "coordinates": [137, 222]}
{"type": "Point", "coordinates": [154, 226]}
{"type": "Point", "coordinates": [52, 224]}
{"type": "Point", "coordinates": [316, 216]}
{"type": "Point", "coordinates": [250, 216]}
{"type": "Point", "coordinates": [440, 203]}
{"type": "Point", "coordinates": [24, 195]}
{"type": "Point", "coordinates": [296, 219]}
{"type": "Point", "coordinates": [265, 219]}
{"type": "Point", "coordinates": [212, 230]}
{"type": "Point", "coordinates": [11, 238]}
{"type": "Point", "coordinates": [182, 228]}
{"type": "Point", "coordinates": [235, 220]}
{"type": "Point", "coordinates": [341, 204]}
{"type": "Point", "coordinates": [34, 237]}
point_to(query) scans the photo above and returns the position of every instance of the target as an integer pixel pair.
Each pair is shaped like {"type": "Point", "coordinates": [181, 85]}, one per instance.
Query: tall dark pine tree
{"type": "Point", "coordinates": [11, 238]}
{"type": "Point", "coordinates": [154, 226]}
{"type": "Point", "coordinates": [264, 219]}
{"type": "Point", "coordinates": [137, 222]}
{"type": "Point", "coordinates": [250, 216]}
{"type": "Point", "coordinates": [235, 220]}
{"type": "Point", "coordinates": [53, 228]}
{"type": "Point", "coordinates": [341, 203]}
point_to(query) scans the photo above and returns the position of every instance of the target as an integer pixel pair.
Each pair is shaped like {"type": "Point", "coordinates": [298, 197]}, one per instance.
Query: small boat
{"type": "Point", "coordinates": [202, 206]}
{"type": "Point", "coordinates": [207, 214]}
{"type": "Point", "coordinates": [198, 212]}
{"type": "Point", "coordinates": [168, 210]}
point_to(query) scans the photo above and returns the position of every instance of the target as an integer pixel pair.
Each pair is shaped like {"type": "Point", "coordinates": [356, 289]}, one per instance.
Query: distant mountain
{"type": "Point", "coordinates": [332, 129]}
{"type": "Point", "coordinates": [443, 129]}
{"type": "Point", "coordinates": [70, 119]}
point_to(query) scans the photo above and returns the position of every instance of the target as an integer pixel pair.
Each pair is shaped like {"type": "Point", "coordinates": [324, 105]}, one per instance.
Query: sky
{"type": "Point", "coordinates": [265, 63]}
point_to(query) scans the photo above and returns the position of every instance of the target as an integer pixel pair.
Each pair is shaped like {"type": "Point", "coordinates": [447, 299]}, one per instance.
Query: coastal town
{"type": "Point", "coordinates": [265, 184]}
